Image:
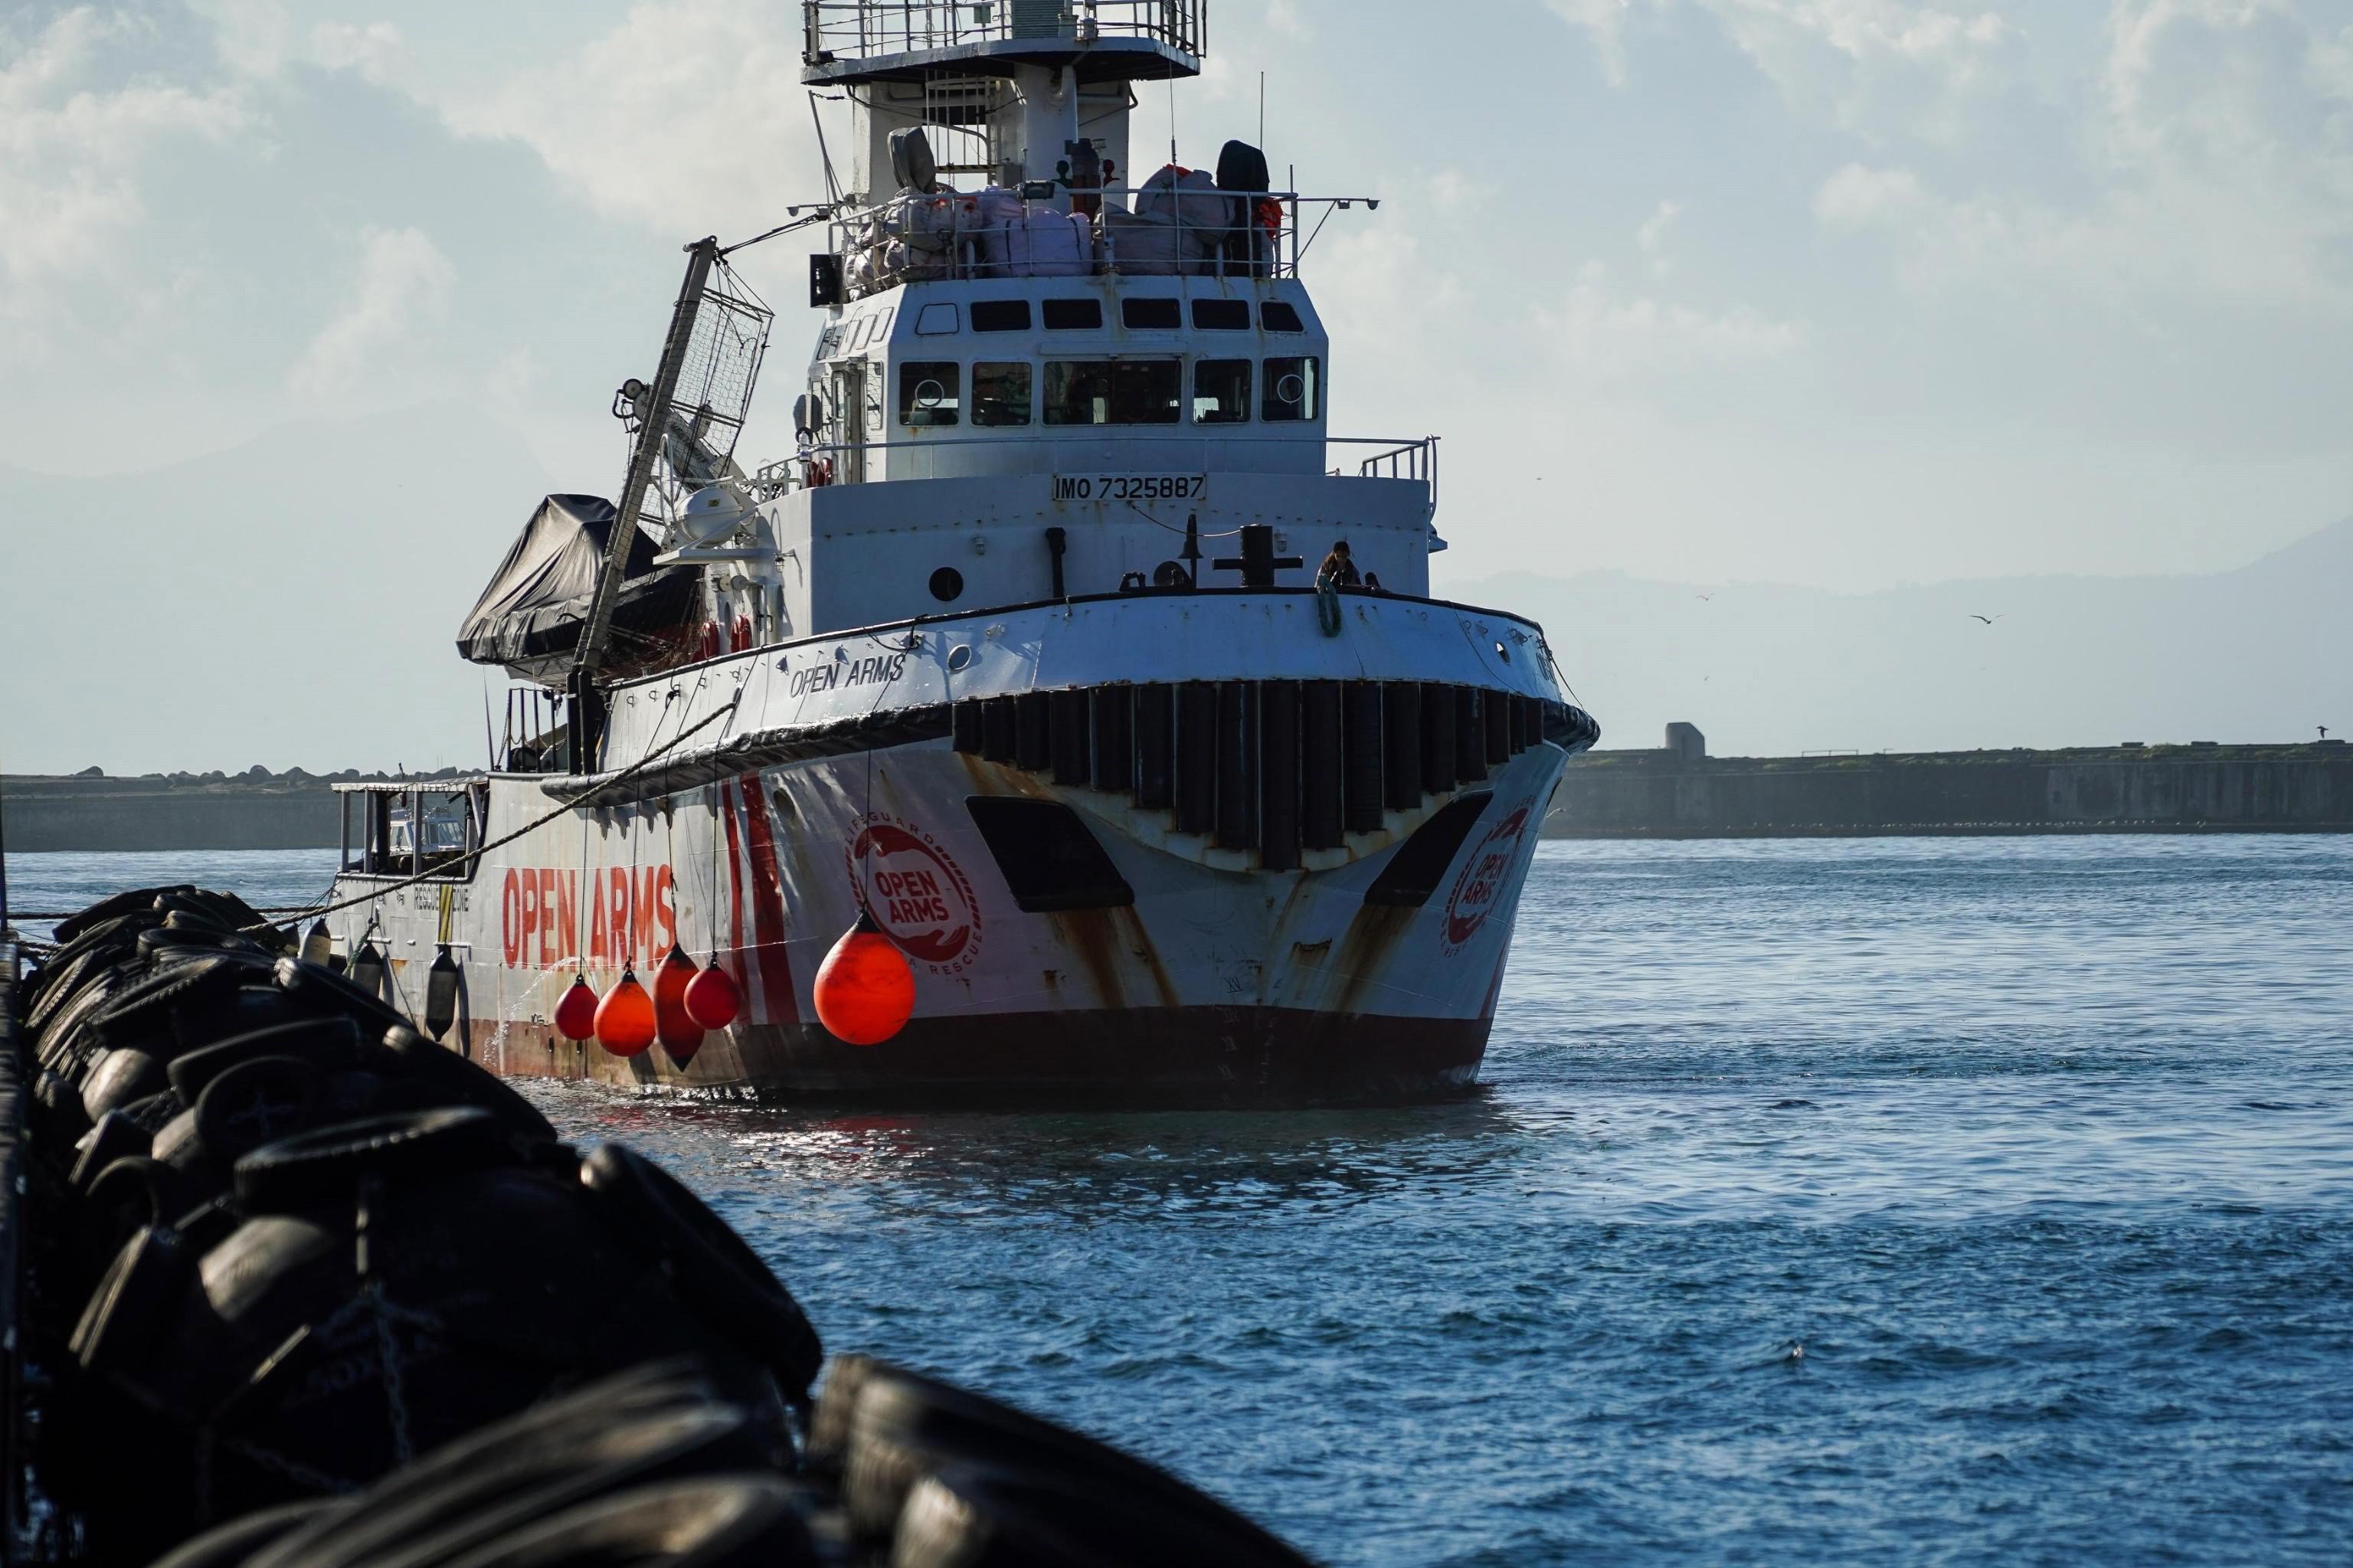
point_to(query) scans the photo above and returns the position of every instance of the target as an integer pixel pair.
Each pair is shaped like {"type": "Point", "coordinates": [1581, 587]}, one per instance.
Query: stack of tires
{"type": "Point", "coordinates": [307, 1288]}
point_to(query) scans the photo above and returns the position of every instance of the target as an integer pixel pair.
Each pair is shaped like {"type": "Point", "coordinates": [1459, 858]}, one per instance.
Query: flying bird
{"type": "Point", "coordinates": [1988, 619]}
{"type": "Point", "coordinates": [1705, 598]}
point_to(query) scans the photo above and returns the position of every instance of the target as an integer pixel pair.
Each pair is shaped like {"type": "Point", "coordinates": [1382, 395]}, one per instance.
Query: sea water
{"type": "Point", "coordinates": [1939, 1199]}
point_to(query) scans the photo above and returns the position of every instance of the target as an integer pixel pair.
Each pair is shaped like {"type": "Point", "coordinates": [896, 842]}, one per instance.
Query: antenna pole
{"type": "Point", "coordinates": [832, 186]}
{"type": "Point", "coordinates": [654, 424]}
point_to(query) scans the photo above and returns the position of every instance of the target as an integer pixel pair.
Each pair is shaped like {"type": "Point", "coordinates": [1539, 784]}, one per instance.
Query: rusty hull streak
{"type": "Point", "coordinates": [1368, 948]}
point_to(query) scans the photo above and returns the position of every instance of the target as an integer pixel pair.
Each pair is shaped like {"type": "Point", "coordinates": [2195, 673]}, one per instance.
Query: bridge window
{"type": "Point", "coordinates": [1221, 315]}
{"type": "Point", "coordinates": [936, 319]}
{"type": "Point", "coordinates": [1114, 391]}
{"type": "Point", "coordinates": [1291, 393]}
{"type": "Point", "coordinates": [1221, 391]}
{"type": "Point", "coordinates": [1073, 315]}
{"type": "Point", "coordinates": [1151, 315]}
{"type": "Point", "coordinates": [927, 392]}
{"type": "Point", "coordinates": [1281, 316]}
{"type": "Point", "coordinates": [1000, 392]}
{"type": "Point", "coordinates": [1000, 315]}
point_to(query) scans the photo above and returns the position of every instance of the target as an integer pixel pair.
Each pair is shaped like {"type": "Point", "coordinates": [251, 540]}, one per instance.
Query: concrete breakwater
{"type": "Point", "coordinates": [251, 810]}
{"type": "Point", "coordinates": [1678, 791]}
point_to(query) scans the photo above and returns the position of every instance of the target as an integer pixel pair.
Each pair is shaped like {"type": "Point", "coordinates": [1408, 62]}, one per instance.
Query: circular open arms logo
{"type": "Point", "coordinates": [916, 892]}
{"type": "Point", "coordinates": [1485, 877]}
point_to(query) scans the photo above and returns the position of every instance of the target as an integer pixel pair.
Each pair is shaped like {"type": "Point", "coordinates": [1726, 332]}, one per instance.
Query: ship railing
{"type": "Point", "coordinates": [859, 29]}
{"type": "Point", "coordinates": [941, 236]}
{"type": "Point", "coordinates": [1111, 450]}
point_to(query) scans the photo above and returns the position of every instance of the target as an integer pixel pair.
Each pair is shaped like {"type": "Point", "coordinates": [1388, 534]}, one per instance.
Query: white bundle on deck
{"type": "Point", "coordinates": [1048, 244]}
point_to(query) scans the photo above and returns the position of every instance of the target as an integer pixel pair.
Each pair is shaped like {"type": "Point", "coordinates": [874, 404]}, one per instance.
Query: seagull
{"type": "Point", "coordinates": [1988, 619]}
{"type": "Point", "coordinates": [1705, 598]}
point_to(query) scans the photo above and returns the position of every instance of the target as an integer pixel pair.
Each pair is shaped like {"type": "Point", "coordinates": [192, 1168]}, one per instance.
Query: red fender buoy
{"type": "Point", "coordinates": [576, 1014]}
{"type": "Point", "coordinates": [865, 989]}
{"type": "Point", "coordinates": [624, 1019]}
{"type": "Point", "coordinates": [712, 999]}
{"type": "Point", "coordinates": [680, 1035]}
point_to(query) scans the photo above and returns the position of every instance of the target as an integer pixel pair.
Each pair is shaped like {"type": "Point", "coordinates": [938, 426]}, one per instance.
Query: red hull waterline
{"type": "Point", "coordinates": [1221, 1056]}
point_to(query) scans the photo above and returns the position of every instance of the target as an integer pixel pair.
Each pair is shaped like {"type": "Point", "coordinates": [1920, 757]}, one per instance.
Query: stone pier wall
{"type": "Point", "coordinates": [1652, 794]}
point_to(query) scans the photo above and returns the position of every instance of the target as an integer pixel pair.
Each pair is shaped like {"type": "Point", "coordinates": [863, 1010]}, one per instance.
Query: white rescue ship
{"type": "Point", "coordinates": [1024, 652]}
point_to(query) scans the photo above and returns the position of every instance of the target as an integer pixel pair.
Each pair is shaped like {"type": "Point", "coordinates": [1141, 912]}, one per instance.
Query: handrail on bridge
{"type": "Point", "coordinates": [858, 28]}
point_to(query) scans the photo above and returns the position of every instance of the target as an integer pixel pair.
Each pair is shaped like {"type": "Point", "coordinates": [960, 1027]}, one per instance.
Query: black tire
{"type": "Point", "coordinates": [135, 1185]}
{"type": "Point", "coordinates": [325, 1043]}
{"type": "Point", "coordinates": [124, 1199]}
{"type": "Point", "coordinates": [323, 991]}
{"type": "Point", "coordinates": [117, 1078]}
{"type": "Point", "coordinates": [114, 1137]}
{"type": "Point", "coordinates": [143, 1011]}
{"type": "Point", "coordinates": [980, 1516]}
{"type": "Point", "coordinates": [56, 1118]}
{"type": "Point", "coordinates": [721, 1522]}
{"type": "Point", "coordinates": [954, 1520]}
{"type": "Point", "coordinates": [713, 1267]}
{"type": "Point", "coordinates": [228, 1545]}
{"type": "Point", "coordinates": [652, 1423]}
{"type": "Point", "coordinates": [902, 1427]}
{"type": "Point", "coordinates": [62, 976]}
{"type": "Point", "coordinates": [313, 1169]}
{"type": "Point", "coordinates": [165, 942]}
{"type": "Point", "coordinates": [137, 1291]}
{"type": "Point", "coordinates": [466, 1082]}
{"type": "Point", "coordinates": [64, 1040]}
{"type": "Point", "coordinates": [108, 908]}
{"type": "Point", "coordinates": [257, 1102]}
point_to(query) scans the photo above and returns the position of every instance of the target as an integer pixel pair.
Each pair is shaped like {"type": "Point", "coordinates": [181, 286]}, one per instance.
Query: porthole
{"type": "Point", "coordinates": [959, 657]}
{"type": "Point", "coordinates": [947, 585]}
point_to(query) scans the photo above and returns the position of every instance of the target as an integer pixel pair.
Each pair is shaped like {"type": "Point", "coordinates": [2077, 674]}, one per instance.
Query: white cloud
{"type": "Point", "coordinates": [73, 146]}
{"type": "Point", "coordinates": [368, 47]}
{"type": "Point", "coordinates": [1603, 333]}
{"type": "Point", "coordinates": [1652, 237]}
{"type": "Point", "coordinates": [1859, 197]}
{"type": "Point", "coordinates": [2213, 161]}
{"type": "Point", "coordinates": [1606, 21]}
{"type": "Point", "coordinates": [1283, 18]}
{"type": "Point", "coordinates": [1877, 67]}
{"type": "Point", "coordinates": [403, 280]}
{"type": "Point", "coordinates": [688, 115]}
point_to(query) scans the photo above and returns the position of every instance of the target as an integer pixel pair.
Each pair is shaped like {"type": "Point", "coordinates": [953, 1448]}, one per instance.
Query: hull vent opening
{"type": "Point", "coordinates": [1414, 872]}
{"type": "Point", "coordinates": [1046, 855]}
{"type": "Point", "coordinates": [1277, 769]}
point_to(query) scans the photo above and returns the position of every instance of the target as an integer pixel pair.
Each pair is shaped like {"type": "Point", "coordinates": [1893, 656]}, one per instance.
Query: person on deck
{"type": "Point", "coordinates": [1337, 570]}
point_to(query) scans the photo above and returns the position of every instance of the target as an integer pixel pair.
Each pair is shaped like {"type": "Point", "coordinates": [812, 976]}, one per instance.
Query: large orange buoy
{"type": "Point", "coordinates": [576, 1014]}
{"type": "Point", "coordinates": [624, 1019]}
{"type": "Point", "coordinates": [712, 999]}
{"type": "Point", "coordinates": [865, 989]}
{"type": "Point", "coordinates": [680, 1035]}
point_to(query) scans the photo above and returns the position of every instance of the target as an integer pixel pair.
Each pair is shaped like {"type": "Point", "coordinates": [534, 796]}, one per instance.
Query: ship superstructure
{"type": "Point", "coordinates": [1023, 650]}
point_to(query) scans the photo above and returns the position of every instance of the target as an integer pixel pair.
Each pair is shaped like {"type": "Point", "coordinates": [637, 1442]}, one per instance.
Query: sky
{"type": "Point", "coordinates": [1842, 294]}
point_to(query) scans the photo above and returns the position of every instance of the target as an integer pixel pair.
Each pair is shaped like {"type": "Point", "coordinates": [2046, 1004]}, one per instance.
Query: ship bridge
{"type": "Point", "coordinates": [1041, 375]}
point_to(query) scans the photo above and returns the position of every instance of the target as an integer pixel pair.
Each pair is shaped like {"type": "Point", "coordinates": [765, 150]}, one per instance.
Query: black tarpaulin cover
{"type": "Point", "coordinates": [529, 619]}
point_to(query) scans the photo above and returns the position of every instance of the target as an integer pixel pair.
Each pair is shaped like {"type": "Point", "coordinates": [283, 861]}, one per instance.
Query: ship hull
{"type": "Point", "coordinates": [1091, 952]}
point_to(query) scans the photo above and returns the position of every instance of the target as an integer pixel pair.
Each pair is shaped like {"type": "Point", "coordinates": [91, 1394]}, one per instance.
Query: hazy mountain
{"type": "Point", "coordinates": [293, 600]}
{"type": "Point", "coordinates": [2264, 652]}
